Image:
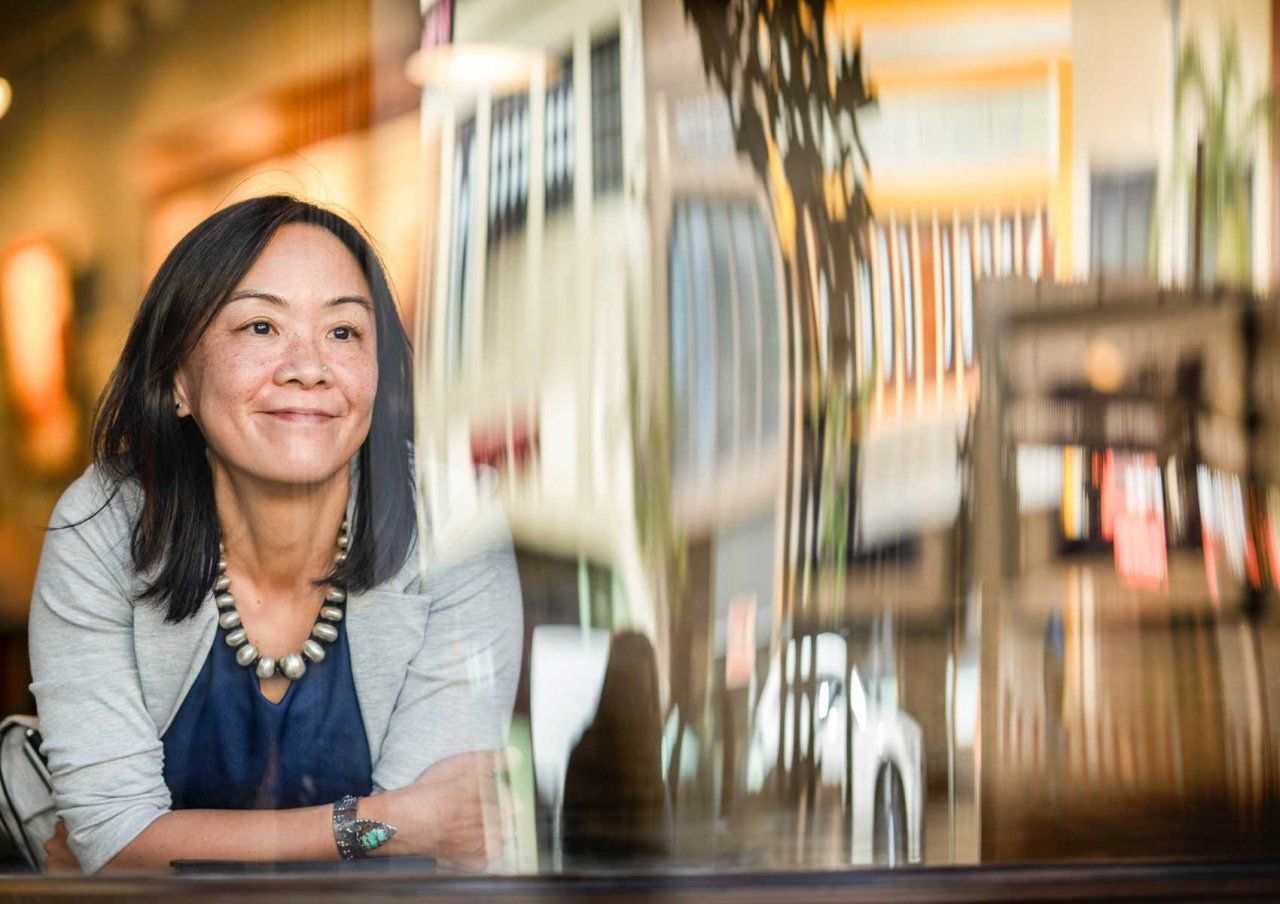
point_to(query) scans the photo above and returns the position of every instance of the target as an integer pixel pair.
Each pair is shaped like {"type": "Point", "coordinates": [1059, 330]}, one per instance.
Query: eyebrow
{"type": "Point", "coordinates": [281, 303]}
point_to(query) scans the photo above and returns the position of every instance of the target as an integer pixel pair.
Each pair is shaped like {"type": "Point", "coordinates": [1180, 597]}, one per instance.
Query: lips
{"type": "Point", "coordinates": [301, 415]}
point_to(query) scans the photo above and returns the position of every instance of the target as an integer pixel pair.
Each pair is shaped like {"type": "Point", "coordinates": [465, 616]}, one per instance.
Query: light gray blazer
{"type": "Point", "coordinates": [435, 654]}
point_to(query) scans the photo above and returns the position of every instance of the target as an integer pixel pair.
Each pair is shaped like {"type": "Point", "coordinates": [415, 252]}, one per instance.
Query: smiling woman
{"type": "Point", "coordinates": [230, 615]}
{"type": "Point", "coordinates": [289, 362]}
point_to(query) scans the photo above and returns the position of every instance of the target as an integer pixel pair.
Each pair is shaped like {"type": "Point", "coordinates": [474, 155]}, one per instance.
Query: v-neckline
{"type": "Point", "coordinates": [275, 704]}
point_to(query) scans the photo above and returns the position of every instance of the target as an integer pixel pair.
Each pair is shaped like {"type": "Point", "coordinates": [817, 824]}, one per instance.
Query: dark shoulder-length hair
{"type": "Point", "coordinates": [138, 437]}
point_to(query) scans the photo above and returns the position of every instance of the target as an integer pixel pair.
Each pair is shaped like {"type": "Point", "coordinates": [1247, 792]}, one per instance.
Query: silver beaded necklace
{"type": "Point", "coordinates": [292, 665]}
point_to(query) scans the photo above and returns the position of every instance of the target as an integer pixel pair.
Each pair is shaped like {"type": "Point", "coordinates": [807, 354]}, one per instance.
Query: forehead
{"type": "Point", "coordinates": [305, 263]}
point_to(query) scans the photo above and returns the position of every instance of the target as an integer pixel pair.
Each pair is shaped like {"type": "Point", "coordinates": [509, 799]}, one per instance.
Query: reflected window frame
{"type": "Point", "coordinates": [905, 261]}
{"type": "Point", "coordinates": [948, 296]}
{"type": "Point", "coordinates": [887, 319]}
{"type": "Point", "coordinates": [966, 278]}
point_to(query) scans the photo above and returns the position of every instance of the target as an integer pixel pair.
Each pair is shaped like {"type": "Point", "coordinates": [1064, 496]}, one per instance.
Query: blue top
{"type": "Point", "coordinates": [230, 748]}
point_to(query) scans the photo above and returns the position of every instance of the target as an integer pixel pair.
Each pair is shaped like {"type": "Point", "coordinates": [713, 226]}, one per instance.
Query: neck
{"type": "Point", "coordinates": [281, 535]}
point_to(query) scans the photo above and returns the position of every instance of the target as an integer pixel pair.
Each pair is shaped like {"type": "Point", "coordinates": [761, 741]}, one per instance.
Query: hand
{"type": "Point", "coordinates": [58, 856]}
{"type": "Point", "coordinates": [454, 807]}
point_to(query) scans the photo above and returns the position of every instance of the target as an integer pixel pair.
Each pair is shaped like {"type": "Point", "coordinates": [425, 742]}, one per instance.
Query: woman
{"type": "Point", "coordinates": [236, 653]}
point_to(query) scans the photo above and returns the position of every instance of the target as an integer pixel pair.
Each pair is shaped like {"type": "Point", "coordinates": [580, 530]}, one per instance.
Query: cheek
{"type": "Point", "coordinates": [229, 373]}
{"type": "Point", "coordinates": [359, 373]}
{"type": "Point", "coordinates": [364, 386]}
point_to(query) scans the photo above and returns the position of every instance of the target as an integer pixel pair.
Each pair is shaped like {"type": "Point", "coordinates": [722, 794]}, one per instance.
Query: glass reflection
{"type": "Point", "coordinates": [855, 527]}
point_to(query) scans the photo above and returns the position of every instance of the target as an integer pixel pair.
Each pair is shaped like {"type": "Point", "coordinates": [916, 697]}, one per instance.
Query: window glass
{"type": "Point", "coordinates": [558, 156]}
{"type": "Point", "coordinates": [606, 115]}
{"type": "Point", "coordinates": [623, 364]}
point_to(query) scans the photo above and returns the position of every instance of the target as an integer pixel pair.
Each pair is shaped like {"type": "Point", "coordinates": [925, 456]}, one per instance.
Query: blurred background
{"type": "Point", "coordinates": [883, 395]}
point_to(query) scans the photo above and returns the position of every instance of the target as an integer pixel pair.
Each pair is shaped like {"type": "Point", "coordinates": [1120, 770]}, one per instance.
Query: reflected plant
{"type": "Point", "coordinates": [1228, 138]}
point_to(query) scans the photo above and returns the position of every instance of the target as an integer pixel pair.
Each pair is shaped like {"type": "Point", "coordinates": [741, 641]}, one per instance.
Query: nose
{"type": "Point", "coordinates": [302, 363]}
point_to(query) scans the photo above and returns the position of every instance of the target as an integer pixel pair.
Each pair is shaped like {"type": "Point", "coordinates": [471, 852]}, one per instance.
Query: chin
{"type": "Point", "coordinates": [299, 467]}
{"type": "Point", "coordinates": [287, 459]}
{"type": "Point", "coordinates": [304, 475]}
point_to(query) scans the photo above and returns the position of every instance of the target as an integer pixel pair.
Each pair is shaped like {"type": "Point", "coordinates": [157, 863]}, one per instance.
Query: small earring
{"type": "Point", "coordinates": [177, 405]}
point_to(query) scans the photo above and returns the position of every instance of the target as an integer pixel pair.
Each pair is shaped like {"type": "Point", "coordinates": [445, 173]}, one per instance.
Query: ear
{"type": "Point", "coordinates": [180, 394]}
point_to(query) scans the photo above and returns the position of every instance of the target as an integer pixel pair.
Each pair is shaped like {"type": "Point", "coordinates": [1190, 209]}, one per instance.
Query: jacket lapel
{"type": "Point", "coordinates": [169, 657]}
{"type": "Point", "coordinates": [385, 627]}
{"type": "Point", "coordinates": [384, 632]}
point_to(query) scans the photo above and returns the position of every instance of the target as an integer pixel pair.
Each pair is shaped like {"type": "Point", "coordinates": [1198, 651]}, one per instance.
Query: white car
{"type": "Point", "coordinates": [887, 771]}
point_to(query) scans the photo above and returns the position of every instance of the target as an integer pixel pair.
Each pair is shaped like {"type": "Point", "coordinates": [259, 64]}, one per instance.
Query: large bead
{"type": "Point", "coordinates": [229, 619]}
{"type": "Point", "coordinates": [336, 595]}
{"type": "Point", "coordinates": [312, 650]}
{"type": "Point", "coordinates": [340, 558]}
{"type": "Point", "coordinates": [222, 565]}
{"type": "Point", "coordinates": [236, 637]}
{"type": "Point", "coordinates": [224, 600]}
{"type": "Point", "coordinates": [293, 666]}
{"type": "Point", "coordinates": [246, 654]}
{"type": "Point", "coordinates": [343, 541]}
{"type": "Point", "coordinates": [324, 631]}
{"type": "Point", "coordinates": [221, 584]}
{"type": "Point", "coordinates": [331, 613]}
{"type": "Point", "coordinates": [266, 667]}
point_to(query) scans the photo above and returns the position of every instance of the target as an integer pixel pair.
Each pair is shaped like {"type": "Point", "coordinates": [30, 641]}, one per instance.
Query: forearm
{"type": "Point", "coordinates": [304, 833]}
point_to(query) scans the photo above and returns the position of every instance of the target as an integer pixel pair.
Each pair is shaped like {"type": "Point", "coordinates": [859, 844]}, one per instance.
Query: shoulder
{"type": "Point", "coordinates": [95, 492]}
{"type": "Point", "coordinates": [100, 509]}
{"type": "Point", "coordinates": [86, 575]}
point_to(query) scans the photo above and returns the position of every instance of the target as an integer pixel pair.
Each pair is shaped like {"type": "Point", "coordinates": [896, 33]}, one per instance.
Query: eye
{"type": "Point", "coordinates": [253, 328]}
{"type": "Point", "coordinates": [346, 333]}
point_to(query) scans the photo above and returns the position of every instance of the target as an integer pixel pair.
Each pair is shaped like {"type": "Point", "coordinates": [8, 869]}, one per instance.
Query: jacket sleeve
{"type": "Point", "coordinates": [103, 748]}
{"type": "Point", "coordinates": [460, 686]}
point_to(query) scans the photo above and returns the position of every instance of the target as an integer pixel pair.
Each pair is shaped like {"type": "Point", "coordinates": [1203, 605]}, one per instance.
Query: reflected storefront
{"type": "Point", "coordinates": [884, 399]}
{"type": "Point", "coordinates": [1122, 455]}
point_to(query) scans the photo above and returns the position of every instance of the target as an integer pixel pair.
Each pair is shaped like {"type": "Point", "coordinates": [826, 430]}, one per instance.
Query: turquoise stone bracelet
{"type": "Point", "coordinates": [371, 834]}
{"type": "Point", "coordinates": [376, 837]}
{"type": "Point", "coordinates": [357, 837]}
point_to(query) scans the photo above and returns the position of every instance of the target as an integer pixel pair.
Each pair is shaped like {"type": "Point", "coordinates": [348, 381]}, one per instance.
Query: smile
{"type": "Point", "coordinates": [301, 417]}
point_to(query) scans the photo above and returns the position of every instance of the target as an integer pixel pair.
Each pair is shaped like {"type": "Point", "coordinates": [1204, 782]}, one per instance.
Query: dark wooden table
{"type": "Point", "coordinates": [1132, 881]}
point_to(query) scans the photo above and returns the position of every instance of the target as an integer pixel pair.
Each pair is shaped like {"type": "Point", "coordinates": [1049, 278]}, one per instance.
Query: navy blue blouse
{"type": "Point", "coordinates": [230, 748]}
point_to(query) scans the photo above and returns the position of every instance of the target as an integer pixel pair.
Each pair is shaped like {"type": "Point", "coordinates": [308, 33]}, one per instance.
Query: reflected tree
{"type": "Point", "coordinates": [794, 91]}
{"type": "Point", "coordinates": [794, 87]}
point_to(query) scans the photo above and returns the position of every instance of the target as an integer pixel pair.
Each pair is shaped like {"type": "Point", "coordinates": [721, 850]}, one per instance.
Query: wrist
{"type": "Point", "coordinates": [384, 807]}
{"type": "Point", "coordinates": [360, 829]}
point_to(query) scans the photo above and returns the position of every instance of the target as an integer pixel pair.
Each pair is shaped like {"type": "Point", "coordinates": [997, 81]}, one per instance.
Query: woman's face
{"type": "Point", "coordinates": [282, 382]}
